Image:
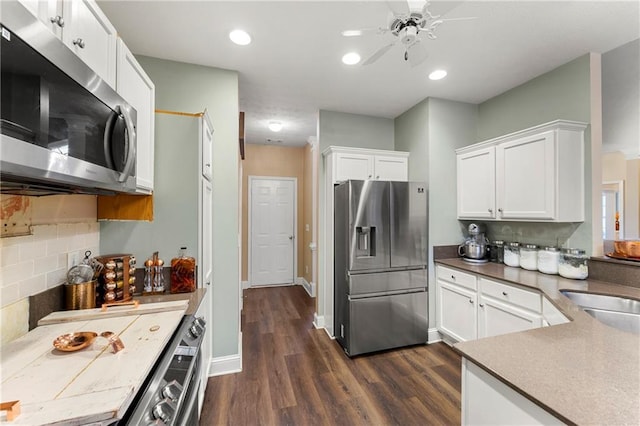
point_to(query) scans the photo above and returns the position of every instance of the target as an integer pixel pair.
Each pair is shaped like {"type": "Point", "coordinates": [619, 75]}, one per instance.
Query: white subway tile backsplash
{"type": "Point", "coordinates": [32, 285]}
{"type": "Point", "coordinates": [58, 245]}
{"type": "Point", "coordinates": [48, 263]}
{"type": "Point", "coordinates": [57, 277]}
{"type": "Point", "coordinates": [9, 295]}
{"type": "Point", "coordinates": [9, 255]}
{"type": "Point", "coordinates": [33, 263]}
{"type": "Point", "coordinates": [33, 250]}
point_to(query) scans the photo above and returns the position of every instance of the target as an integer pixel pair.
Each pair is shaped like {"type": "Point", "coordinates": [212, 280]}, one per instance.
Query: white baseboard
{"type": "Point", "coordinates": [434, 336]}
{"type": "Point", "coordinates": [225, 365]}
{"type": "Point", "coordinates": [245, 285]}
{"type": "Point", "coordinates": [318, 320]}
{"type": "Point", "coordinates": [309, 287]}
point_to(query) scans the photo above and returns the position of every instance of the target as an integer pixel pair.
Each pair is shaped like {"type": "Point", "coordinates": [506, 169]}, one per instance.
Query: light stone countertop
{"type": "Point", "coordinates": [583, 372]}
{"type": "Point", "coordinates": [194, 298]}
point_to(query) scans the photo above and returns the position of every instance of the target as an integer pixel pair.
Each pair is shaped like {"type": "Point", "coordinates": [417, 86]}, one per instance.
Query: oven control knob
{"type": "Point", "coordinates": [200, 321]}
{"type": "Point", "coordinates": [195, 330]}
{"type": "Point", "coordinates": [164, 410]}
{"type": "Point", "coordinates": [172, 390]}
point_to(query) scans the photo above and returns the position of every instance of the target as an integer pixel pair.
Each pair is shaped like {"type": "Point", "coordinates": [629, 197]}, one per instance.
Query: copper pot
{"type": "Point", "coordinates": [81, 295]}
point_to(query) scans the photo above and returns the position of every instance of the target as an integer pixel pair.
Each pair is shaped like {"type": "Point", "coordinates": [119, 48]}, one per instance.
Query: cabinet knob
{"type": "Point", "coordinates": [369, 176]}
{"type": "Point", "coordinates": [57, 20]}
{"type": "Point", "coordinates": [79, 42]}
{"type": "Point", "coordinates": [377, 177]}
{"type": "Point", "coordinates": [481, 305]}
{"type": "Point", "coordinates": [500, 209]}
{"type": "Point", "coordinates": [490, 210]}
{"type": "Point", "coordinates": [504, 293]}
{"type": "Point", "coordinates": [453, 277]}
{"type": "Point", "coordinates": [471, 301]}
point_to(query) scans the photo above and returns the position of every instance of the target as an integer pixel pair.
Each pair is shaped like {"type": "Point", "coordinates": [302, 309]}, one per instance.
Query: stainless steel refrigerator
{"type": "Point", "coordinates": [380, 264]}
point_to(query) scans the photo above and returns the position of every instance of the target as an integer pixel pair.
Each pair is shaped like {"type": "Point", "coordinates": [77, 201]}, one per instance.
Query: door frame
{"type": "Point", "coordinates": [249, 227]}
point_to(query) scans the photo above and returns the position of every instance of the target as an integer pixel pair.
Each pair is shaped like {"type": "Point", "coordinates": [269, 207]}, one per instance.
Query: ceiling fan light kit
{"type": "Point", "coordinates": [437, 75]}
{"type": "Point", "coordinates": [275, 126]}
{"type": "Point", "coordinates": [351, 58]}
{"type": "Point", "coordinates": [406, 24]}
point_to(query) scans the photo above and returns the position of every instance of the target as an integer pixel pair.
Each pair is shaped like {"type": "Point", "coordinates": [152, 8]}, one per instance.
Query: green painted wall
{"type": "Point", "coordinates": [193, 88]}
{"type": "Point", "coordinates": [360, 131]}
{"type": "Point", "coordinates": [563, 93]}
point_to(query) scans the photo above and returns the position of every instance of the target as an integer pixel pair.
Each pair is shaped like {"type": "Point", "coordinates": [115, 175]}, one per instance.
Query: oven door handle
{"type": "Point", "coordinates": [193, 399]}
{"type": "Point", "coordinates": [131, 154]}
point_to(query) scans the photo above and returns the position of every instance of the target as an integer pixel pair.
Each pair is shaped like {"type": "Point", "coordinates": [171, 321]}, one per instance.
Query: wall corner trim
{"type": "Point", "coordinates": [222, 365]}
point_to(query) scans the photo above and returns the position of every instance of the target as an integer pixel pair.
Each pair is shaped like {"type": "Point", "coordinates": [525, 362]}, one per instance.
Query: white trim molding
{"type": "Point", "coordinates": [225, 365]}
{"type": "Point", "coordinates": [245, 285]}
{"type": "Point", "coordinates": [309, 287]}
{"type": "Point", "coordinates": [434, 336]}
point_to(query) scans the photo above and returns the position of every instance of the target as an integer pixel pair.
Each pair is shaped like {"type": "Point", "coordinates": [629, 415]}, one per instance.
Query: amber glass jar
{"type": "Point", "coordinates": [183, 273]}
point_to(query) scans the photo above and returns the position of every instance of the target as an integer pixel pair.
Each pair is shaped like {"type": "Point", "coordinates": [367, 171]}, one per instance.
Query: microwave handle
{"type": "Point", "coordinates": [131, 155]}
{"type": "Point", "coordinates": [131, 133]}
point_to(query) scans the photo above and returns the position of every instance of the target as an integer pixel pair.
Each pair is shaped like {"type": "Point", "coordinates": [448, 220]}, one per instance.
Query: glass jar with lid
{"type": "Point", "coordinates": [573, 264]}
{"type": "Point", "coordinates": [548, 258]}
{"type": "Point", "coordinates": [512, 254]}
{"type": "Point", "coordinates": [529, 257]}
{"type": "Point", "coordinates": [497, 251]}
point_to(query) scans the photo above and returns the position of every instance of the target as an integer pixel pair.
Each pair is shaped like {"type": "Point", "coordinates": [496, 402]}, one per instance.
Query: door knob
{"type": "Point", "coordinates": [291, 237]}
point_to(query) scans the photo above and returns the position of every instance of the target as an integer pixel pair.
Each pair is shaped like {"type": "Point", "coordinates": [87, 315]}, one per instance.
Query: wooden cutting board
{"type": "Point", "coordinates": [113, 312]}
{"type": "Point", "coordinates": [90, 385]}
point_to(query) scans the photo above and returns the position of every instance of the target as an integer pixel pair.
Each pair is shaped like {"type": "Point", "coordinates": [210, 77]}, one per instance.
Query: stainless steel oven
{"type": "Point", "coordinates": [63, 129]}
{"type": "Point", "coordinates": [169, 396]}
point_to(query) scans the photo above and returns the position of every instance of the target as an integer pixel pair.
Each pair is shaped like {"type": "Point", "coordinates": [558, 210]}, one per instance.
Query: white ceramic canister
{"type": "Point", "coordinates": [529, 257]}
{"type": "Point", "coordinates": [512, 254]}
{"type": "Point", "coordinates": [548, 259]}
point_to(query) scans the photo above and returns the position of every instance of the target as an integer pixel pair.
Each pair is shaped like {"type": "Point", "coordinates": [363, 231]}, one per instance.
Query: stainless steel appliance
{"type": "Point", "coordinates": [63, 129]}
{"type": "Point", "coordinates": [476, 245]}
{"type": "Point", "coordinates": [170, 394]}
{"type": "Point", "coordinates": [380, 263]}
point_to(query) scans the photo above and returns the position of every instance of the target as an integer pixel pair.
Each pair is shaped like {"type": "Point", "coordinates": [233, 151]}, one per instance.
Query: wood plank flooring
{"type": "Point", "coordinates": [294, 374]}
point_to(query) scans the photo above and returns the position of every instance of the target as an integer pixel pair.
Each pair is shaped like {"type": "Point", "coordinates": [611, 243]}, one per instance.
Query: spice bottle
{"type": "Point", "coordinates": [183, 273]}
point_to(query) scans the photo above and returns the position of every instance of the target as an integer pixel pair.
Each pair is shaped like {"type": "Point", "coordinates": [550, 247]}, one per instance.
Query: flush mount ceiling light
{"type": "Point", "coordinates": [438, 75]}
{"type": "Point", "coordinates": [275, 126]}
{"type": "Point", "coordinates": [351, 58]}
{"type": "Point", "coordinates": [240, 37]}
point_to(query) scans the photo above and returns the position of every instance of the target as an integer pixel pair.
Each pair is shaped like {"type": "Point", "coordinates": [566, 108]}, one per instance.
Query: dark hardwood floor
{"type": "Point", "coordinates": [294, 374]}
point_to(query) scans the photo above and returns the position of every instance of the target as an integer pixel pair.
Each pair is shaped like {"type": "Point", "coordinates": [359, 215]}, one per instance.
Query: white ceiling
{"type": "Point", "coordinates": [293, 67]}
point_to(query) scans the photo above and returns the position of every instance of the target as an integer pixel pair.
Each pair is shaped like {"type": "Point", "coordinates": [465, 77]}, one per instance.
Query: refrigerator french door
{"type": "Point", "coordinates": [380, 265]}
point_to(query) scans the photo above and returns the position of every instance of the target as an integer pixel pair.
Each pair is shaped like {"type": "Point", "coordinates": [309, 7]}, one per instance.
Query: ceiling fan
{"type": "Point", "coordinates": [406, 23]}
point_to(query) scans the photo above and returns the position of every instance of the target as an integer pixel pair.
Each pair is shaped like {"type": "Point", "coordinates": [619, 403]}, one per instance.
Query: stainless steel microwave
{"type": "Point", "coordinates": [63, 129]}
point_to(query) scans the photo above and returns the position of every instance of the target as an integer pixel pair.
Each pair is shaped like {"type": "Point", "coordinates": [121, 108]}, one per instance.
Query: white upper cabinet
{"type": "Point", "coordinates": [135, 86]}
{"type": "Point", "coordinates": [363, 164]}
{"type": "Point", "coordinates": [207, 149]}
{"type": "Point", "coordinates": [534, 175]}
{"type": "Point", "coordinates": [84, 28]}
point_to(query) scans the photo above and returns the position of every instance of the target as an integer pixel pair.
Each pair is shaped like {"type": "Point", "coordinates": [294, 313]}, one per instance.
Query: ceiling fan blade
{"type": "Point", "coordinates": [459, 19]}
{"type": "Point", "coordinates": [361, 31]}
{"type": "Point", "coordinates": [399, 7]}
{"type": "Point", "coordinates": [417, 53]}
{"type": "Point", "coordinates": [378, 54]}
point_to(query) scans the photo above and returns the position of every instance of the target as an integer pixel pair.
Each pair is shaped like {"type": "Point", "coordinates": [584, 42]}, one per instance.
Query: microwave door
{"type": "Point", "coordinates": [120, 156]}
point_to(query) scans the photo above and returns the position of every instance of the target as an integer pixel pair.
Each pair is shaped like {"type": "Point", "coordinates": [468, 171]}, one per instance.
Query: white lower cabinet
{"type": "Point", "coordinates": [204, 311]}
{"type": "Point", "coordinates": [472, 307]}
{"type": "Point", "coordinates": [457, 314]}
{"type": "Point", "coordinates": [488, 401]}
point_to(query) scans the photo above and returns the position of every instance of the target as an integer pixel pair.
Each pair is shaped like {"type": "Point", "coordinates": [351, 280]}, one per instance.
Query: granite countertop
{"type": "Point", "coordinates": [583, 372]}
{"type": "Point", "coordinates": [194, 298]}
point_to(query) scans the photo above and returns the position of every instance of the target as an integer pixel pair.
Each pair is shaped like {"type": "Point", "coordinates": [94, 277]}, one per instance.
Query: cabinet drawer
{"type": "Point", "coordinates": [456, 277]}
{"type": "Point", "coordinates": [517, 296]}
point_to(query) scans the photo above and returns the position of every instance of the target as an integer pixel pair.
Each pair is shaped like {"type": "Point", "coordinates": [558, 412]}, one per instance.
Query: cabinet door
{"type": "Point", "coordinates": [476, 184]}
{"type": "Point", "coordinates": [204, 311]}
{"type": "Point", "coordinates": [206, 235]}
{"type": "Point", "coordinates": [91, 36]}
{"type": "Point", "coordinates": [495, 318]}
{"type": "Point", "coordinates": [525, 178]}
{"type": "Point", "coordinates": [457, 311]}
{"type": "Point", "coordinates": [207, 149]}
{"type": "Point", "coordinates": [353, 166]}
{"type": "Point", "coordinates": [135, 86]}
{"type": "Point", "coordinates": [47, 11]}
{"type": "Point", "coordinates": [391, 168]}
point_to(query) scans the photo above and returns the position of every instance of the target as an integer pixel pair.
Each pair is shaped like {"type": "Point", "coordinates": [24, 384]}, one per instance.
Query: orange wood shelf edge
{"type": "Point", "coordinates": [125, 207]}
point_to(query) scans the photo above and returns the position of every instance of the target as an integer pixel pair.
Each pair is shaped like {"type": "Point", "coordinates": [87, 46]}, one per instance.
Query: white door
{"type": "Point", "coordinates": [272, 231]}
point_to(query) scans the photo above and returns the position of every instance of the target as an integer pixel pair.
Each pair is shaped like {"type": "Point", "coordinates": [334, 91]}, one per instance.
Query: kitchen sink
{"type": "Point", "coordinates": [619, 312]}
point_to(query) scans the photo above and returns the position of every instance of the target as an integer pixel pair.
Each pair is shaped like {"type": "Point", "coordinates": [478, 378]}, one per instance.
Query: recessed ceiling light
{"type": "Point", "coordinates": [240, 37]}
{"type": "Point", "coordinates": [438, 75]}
{"type": "Point", "coordinates": [275, 126]}
{"type": "Point", "coordinates": [351, 33]}
{"type": "Point", "coordinates": [351, 58]}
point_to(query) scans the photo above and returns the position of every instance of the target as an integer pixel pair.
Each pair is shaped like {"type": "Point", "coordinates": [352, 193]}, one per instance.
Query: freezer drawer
{"type": "Point", "coordinates": [394, 281]}
{"type": "Point", "coordinates": [385, 322]}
